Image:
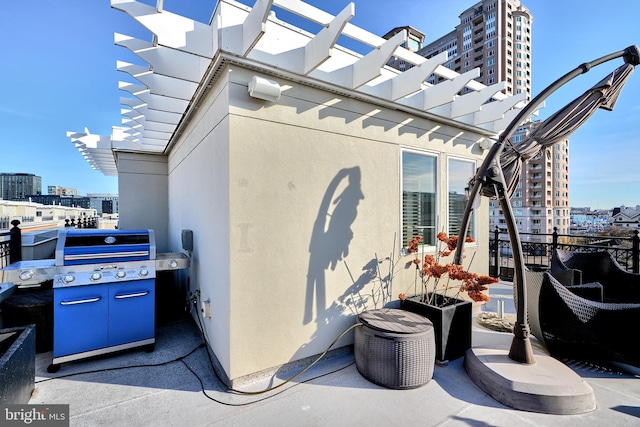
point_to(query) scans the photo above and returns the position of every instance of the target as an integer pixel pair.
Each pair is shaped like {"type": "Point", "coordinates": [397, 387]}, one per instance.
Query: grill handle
{"type": "Point", "coordinates": [137, 294]}
{"type": "Point", "coordinates": [81, 301]}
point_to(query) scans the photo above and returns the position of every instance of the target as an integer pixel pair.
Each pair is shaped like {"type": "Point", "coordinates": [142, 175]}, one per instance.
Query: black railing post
{"type": "Point", "coordinates": [15, 243]}
{"type": "Point", "coordinates": [635, 252]}
{"type": "Point", "coordinates": [496, 250]}
{"type": "Point", "coordinates": [554, 240]}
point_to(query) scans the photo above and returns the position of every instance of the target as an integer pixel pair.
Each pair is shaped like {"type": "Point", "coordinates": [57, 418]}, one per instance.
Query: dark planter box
{"type": "Point", "coordinates": [17, 364]}
{"type": "Point", "coordinates": [32, 308]}
{"type": "Point", "coordinates": [452, 324]}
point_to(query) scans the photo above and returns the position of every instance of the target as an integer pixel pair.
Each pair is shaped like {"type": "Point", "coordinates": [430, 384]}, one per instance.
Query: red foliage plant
{"type": "Point", "coordinates": [432, 272]}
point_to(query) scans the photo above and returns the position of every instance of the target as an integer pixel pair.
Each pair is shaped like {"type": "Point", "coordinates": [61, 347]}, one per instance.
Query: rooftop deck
{"type": "Point", "coordinates": [175, 385]}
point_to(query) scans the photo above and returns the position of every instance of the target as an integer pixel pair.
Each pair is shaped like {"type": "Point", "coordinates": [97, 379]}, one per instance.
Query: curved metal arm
{"type": "Point", "coordinates": [490, 172]}
{"type": "Point", "coordinates": [631, 55]}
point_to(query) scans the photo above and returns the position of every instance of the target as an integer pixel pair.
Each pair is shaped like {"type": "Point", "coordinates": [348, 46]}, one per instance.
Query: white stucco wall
{"type": "Point", "coordinates": [290, 202]}
{"type": "Point", "coordinates": [142, 191]}
{"type": "Point", "coordinates": [199, 201]}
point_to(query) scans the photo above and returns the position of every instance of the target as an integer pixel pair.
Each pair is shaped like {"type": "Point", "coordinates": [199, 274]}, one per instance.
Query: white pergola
{"type": "Point", "coordinates": [184, 56]}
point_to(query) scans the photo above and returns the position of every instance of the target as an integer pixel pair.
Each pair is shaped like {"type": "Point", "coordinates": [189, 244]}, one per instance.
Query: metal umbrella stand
{"type": "Point", "coordinates": [560, 125]}
{"type": "Point", "coordinates": [516, 378]}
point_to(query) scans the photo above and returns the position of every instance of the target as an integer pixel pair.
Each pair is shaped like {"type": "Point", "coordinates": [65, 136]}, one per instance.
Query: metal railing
{"type": "Point", "coordinates": [537, 254]}
{"type": "Point", "coordinates": [11, 241]}
{"type": "Point", "coordinates": [11, 245]}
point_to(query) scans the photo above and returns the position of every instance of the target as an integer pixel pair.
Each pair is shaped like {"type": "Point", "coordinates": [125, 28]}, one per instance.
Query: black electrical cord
{"type": "Point", "coordinates": [264, 398]}
{"type": "Point", "coordinates": [117, 368]}
{"type": "Point", "coordinates": [202, 388]}
{"type": "Point", "coordinates": [194, 298]}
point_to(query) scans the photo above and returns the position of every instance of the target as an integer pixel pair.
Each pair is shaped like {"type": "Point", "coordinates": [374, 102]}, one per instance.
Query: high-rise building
{"type": "Point", "coordinates": [541, 200]}
{"type": "Point", "coordinates": [104, 203]}
{"type": "Point", "coordinates": [17, 186]}
{"type": "Point", "coordinates": [414, 42]}
{"type": "Point", "coordinates": [55, 200]}
{"type": "Point", "coordinates": [494, 36]}
{"type": "Point", "coordinates": [61, 191]}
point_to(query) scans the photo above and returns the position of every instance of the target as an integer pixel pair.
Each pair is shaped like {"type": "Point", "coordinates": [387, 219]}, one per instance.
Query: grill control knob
{"type": "Point", "coordinates": [96, 276]}
{"type": "Point", "coordinates": [143, 273]}
{"type": "Point", "coordinates": [121, 274]}
{"type": "Point", "coordinates": [68, 279]}
{"type": "Point", "coordinates": [26, 275]}
{"type": "Point", "coordinates": [173, 263]}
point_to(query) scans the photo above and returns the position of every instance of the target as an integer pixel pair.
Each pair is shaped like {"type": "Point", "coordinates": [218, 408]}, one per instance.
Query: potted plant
{"type": "Point", "coordinates": [17, 364]}
{"type": "Point", "coordinates": [441, 296]}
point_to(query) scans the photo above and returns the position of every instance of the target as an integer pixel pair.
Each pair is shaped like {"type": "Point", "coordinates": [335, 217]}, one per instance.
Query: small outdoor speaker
{"type": "Point", "coordinates": [484, 143]}
{"type": "Point", "coordinates": [262, 88]}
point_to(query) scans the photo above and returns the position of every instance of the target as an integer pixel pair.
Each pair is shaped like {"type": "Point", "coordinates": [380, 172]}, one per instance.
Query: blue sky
{"type": "Point", "coordinates": [58, 74]}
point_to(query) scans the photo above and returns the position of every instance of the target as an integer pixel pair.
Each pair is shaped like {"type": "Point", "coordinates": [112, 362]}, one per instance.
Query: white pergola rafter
{"type": "Point", "coordinates": [166, 61]}
{"type": "Point", "coordinates": [182, 50]}
{"type": "Point", "coordinates": [96, 149]}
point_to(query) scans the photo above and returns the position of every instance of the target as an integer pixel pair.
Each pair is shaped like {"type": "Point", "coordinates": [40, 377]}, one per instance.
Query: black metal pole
{"type": "Point", "coordinates": [496, 251]}
{"type": "Point", "coordinates": [15, 242]}
{"type": "Point", "coordinates": [635, 252]}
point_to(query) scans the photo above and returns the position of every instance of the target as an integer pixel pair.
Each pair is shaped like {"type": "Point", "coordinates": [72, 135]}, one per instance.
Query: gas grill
{"type": "Point", "coordinates": [103, 290]}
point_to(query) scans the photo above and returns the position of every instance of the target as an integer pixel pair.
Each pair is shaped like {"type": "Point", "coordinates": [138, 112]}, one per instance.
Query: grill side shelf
{"type": "Point", "coordinates": [172, 261]}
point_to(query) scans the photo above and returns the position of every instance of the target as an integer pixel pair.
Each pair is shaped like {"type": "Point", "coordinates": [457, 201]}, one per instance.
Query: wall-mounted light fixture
{"type": "Point", "coordinates": [262, 88]}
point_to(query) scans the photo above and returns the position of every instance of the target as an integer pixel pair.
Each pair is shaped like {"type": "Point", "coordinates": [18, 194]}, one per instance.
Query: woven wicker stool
{"type": "Point", "coordinates": [395, 348]}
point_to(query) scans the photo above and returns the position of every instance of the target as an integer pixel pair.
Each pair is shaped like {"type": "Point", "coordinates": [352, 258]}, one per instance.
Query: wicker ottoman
{"type": "Point", "coordinates": [395, 348]}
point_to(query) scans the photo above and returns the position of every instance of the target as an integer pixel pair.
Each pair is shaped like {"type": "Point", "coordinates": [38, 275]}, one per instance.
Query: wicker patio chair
{"type": "Point", "coordinates": [571, 326]}
{"type": "Point", "coordinates": [618, 284]}
{"type": "Point", "coordinates": [572, 279]}
{"type": "Point", "coordinates": [565, 275]}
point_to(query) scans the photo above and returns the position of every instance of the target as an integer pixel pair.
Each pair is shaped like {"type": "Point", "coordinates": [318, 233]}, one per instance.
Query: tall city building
{"type": "Point", "coordinates": [541, 200]}
{"type": "Point", "coordinates": [494, 36]}
{"type": "Point", "coordinates": [18, 186]}
{"type": "Point", "coordinates": [415, 40]}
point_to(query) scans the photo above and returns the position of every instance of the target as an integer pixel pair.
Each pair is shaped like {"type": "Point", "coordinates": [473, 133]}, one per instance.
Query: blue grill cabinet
{"type": "Point", "coordinates": [104, 296]}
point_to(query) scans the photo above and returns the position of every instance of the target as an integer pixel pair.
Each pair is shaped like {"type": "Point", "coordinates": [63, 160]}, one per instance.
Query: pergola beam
{"type": "Point", "coordinates": [182, 50]}
{"type": "Point", "coordinates": [318, 50]}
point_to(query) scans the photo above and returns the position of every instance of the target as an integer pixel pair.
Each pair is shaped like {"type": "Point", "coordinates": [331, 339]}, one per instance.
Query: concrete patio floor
{"type": "Point", "coordinates": [175, 386]}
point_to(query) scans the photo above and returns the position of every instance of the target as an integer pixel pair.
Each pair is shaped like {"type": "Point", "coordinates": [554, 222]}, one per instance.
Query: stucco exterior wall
{"type": "Point", "coordinates": [142, 190]}
{"type": "Point", "coordinates": [199, 201]}
{"type": "Point", "coordinates": [291, 204]}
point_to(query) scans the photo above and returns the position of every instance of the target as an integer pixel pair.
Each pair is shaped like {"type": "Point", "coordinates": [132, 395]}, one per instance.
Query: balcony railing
{"type": "Point", "coordinates": [11, 245]}
{"type": "Point", "coordinates": [11, 241]}
{"type": "Point", "coordinates": [537, 254]}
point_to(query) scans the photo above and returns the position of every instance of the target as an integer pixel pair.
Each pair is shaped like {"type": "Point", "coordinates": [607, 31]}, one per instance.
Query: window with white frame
{"type": "Point", "coordinates": [460, 173]}
{"type": "Point", "coordinates": [419, 190]}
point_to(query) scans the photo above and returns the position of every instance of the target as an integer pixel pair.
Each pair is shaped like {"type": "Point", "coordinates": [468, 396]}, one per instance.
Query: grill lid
{"type": "Point", "coordinates": [89, 246]}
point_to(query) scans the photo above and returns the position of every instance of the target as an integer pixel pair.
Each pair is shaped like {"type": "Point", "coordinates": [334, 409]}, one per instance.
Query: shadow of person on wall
{"type": "Point", "coordinates": [331, 235]}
